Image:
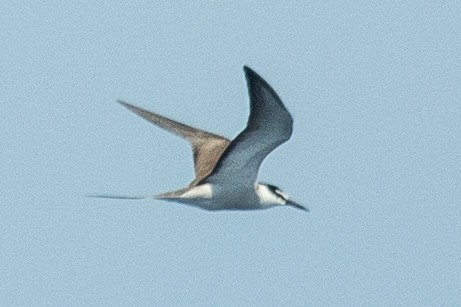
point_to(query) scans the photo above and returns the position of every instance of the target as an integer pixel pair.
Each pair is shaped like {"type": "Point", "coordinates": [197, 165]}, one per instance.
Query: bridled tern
{"type": "Point", "coordinates": [226, 171]}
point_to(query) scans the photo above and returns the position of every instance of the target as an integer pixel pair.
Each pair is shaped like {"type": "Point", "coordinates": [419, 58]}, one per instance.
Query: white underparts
{"type": "Point", "coordinates": [201, 191]}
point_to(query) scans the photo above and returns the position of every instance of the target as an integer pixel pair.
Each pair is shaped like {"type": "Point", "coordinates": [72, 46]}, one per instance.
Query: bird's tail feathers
{"type": "Point", "coordinates": [114, 196]}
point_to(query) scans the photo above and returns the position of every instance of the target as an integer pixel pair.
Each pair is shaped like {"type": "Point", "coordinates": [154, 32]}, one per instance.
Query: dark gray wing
{"type": "Point", "coordinates": [269, 125]}
{"type": "Point", "coordinates": [207, 147]}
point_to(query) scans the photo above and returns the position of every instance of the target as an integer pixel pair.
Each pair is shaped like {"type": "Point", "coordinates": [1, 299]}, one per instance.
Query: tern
{"type": "Point", "coordinates": [226, 171]}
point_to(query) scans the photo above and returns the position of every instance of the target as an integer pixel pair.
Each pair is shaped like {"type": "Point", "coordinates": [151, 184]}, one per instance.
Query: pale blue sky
{"type": "Point", "coordinates": [375, 92]}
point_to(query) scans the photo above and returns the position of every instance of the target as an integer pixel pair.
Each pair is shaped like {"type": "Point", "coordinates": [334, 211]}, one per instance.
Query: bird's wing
{"type": "Point", "coordinates": [207, 147]}
{"type": "Point", "coordinates": [269, 125]}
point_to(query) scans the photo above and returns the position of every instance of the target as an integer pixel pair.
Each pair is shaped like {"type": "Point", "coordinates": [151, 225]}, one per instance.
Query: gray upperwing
{"type": "Point", "coordinates": [269, 125]}
{"type": "Point", "coordinates": [207, 147]}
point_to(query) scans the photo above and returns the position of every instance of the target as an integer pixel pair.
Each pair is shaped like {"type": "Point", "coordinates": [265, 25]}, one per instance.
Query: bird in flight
{"type": "Point", "coordinates": [226, 171]}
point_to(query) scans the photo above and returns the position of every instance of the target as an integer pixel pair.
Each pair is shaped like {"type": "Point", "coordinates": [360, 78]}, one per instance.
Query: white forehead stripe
{"type": "Point", "coordinates": [267, 196]}
{"type": "Point", "coordinates": [285, 195]}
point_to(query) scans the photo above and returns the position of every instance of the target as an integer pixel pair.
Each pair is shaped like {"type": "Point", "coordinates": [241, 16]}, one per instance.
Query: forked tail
{"type": "Point", "coordinates": [112, 196]}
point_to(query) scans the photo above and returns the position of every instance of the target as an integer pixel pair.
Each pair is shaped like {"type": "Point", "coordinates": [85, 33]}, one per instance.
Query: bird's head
{"type": "Point", "coordinates": [270, 195]}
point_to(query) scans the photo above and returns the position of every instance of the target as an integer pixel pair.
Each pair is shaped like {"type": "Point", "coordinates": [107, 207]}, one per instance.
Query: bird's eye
{"type": "Point", "coordinates": [281, 194]}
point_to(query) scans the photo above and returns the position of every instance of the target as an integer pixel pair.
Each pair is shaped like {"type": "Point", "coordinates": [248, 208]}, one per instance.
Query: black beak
{"type": "Point", "coordinates": [298, 206]}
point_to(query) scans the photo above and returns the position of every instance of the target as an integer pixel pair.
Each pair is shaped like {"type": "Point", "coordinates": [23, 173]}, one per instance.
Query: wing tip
{"type": "Point", "coordinates": [132, 107]}
{"type": "Point", "coordinates": [124, 103]}
{"type": "Point", "coordinates": [255, 81]}
{"type": "Point", "coordinates": [253, 78]}
{"type": "Point", "coordinates": [249, 72]}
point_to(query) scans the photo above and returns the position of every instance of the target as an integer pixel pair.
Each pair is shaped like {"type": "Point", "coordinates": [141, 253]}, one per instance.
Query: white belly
{"type": "Point", "coordinates": [212, 197]}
